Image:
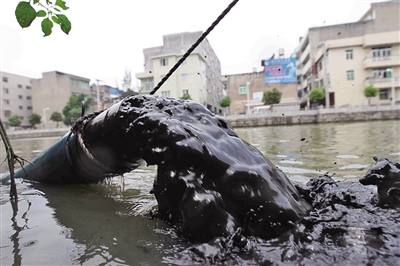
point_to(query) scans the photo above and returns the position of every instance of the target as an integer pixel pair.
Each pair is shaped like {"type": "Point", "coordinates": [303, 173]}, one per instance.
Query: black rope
{"type": "Point", "coordinates": [188, 52]}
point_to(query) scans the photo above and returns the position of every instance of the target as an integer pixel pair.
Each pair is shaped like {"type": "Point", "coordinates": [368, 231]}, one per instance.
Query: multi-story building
{"type": "Point", "coordinates": [52, 92]}
{"type": "Point", "coordinates": [246, 91]}
{"type": "Point", "coordinates": [16, 97]}
{"type": "Point", "coordinates": [343, 59]}
{"type": "Point", "coordinates": [199, 75]}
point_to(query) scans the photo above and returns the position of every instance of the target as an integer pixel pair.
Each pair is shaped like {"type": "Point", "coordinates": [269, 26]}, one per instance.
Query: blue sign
{"type": "Point", "coordinates": [281, 70]}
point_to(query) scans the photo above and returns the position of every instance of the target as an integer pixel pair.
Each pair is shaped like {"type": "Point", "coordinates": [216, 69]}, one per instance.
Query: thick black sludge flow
{"type": "Point", "coordinates": [221, 191]}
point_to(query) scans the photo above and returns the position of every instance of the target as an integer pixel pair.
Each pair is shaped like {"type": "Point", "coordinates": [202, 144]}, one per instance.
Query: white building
{"type": "Point", "coordinates": [199, 75]}
{"type": "Point", "coordinates": [343, 59]}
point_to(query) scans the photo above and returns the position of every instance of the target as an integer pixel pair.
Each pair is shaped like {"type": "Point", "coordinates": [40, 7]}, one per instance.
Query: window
{"type": "Point", "coordinates": [164, 62]}
{"type": "Point", "coordinates": [28, 97]}
{"type": "Point", "coordinates": [149, 85]}
{"type": "Point", "coordinates": [74, 83]}
{"type": "Point", "coordinates": [349, 54]}
{"type": "Point", "coordinates": [184, 77]}
{"type": "Point", "coordinates": [22, 118]}
{"type": "Point", "coordinates": [6, 102]}
{"type": "Point", "coordinates": [84, 85]}
{"type": "Point", "coordinates": [242, 89]}
{"type": "Point", "coordinates": [381, 53]}
{"type": "Point", "coordinates": [350, 74]}
{"type": "Point", "coordinates": [28, 87]}
{"type": "Point", "coordinates": [19, 86]}
{"type": "Point", "coordinates": [381, 73]}
{"type": "Point", "coordinates": [165, 93]}
{"type": "Point", "coordinates": [384, 94]}
{"type": "Point", "coordinates": [320, 65]}
{"type": "Point", "coordinates": [5, 79]}
{"type": "Point", "coordinates": [328, 78]}
{"type": "Point", "coordinates": [185, 92]}
{"type": "Point", "coordinates": [19, 96]}
{"type": "Point", "coordinates": [7, 113]}
{"type": "Point", "coordinates": [29, 108]}
{"type": "Point", "coordinates": [321, 83]}
{"type": "Point", "coordinates": [5, 90]}
{"type": "Point", "coordinates": [21, 107]}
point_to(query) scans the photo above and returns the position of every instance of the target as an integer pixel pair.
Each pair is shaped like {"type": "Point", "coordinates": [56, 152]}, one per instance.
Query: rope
{"type": "Point", "coordinates": [190, 50]}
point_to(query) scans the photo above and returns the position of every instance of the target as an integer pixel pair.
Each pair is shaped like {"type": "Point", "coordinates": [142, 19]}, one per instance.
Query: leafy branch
{"type": "Point", "coordinates": [26, 14]}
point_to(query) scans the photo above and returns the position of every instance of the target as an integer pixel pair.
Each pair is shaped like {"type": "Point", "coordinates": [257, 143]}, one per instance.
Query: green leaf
{"type": "Point", "coordinates": [48, 2]}
{"type": "Point", "coordinates": [55, 19]}
{"type": "Point", "coordinates": [41, 13]}
{"type": "Point", "coordinates": [65, 24]}
{"type": "Point", "coordinates": [35, 1]}
{"type": "Point", "coordinates": [61, 4]}
{"type": "Point", "coordinates": [25, 14]}
{"type": "Point", "coordinates": [46, 26]}
{"type": "Point", "coordinates": [56, 9]}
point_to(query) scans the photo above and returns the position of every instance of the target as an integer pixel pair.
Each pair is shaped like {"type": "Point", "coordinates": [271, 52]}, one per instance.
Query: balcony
{"type": "Point", "coordinates": [144, 75]}
{"type": "Point", "coordinates": [381, 61]}
{"type": "Point", "coordinates": [382, 83]}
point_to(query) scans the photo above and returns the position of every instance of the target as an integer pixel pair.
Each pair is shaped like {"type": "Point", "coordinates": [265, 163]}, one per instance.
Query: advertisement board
{"type": "Point", "coordinates": [282, 70]}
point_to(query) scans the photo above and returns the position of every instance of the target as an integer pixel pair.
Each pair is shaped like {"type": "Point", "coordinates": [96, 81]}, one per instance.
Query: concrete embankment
{"type": "Point", "coordinates": [37, 133]}
{"type": "Point", "coordinates": [331, 115]}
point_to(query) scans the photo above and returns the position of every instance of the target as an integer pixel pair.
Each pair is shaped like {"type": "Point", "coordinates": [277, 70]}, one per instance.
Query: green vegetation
{"type": "Point", "coordinates": [225, 102]}
{"type": "Point", "coordinates": [73, 109]}
{"type": "Point", "coordinates": [371, 91]}
{"type": "Point", "coordinates": [14, 121]}
{"type": "Point", "coordinates": [272, 97]}
{"type": "Point", "coordinates": [25, 14]}
{"type": "Point", "coordinates": [186, 97]}
{"type": "Point", "coordinates": [316, 94]}
{"type": "Point", "coordinates": [34, 119]}
{"type": "Point", "coordinates": [57, 117]}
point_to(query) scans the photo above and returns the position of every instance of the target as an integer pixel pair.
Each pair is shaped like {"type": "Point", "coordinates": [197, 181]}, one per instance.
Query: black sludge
{"type": "Point", "coordinates": [209, 180]}
{"type": "Point", "coordinates": [385, 174]}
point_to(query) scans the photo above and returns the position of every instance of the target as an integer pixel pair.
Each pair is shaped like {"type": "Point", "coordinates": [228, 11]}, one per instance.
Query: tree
{"type": "Point", "coordinates": [225, 102]}
{"type": "Point", "coordinates": [34, 119]}
{"type": "Point", "coordinates": [127, 81]}
{"type": "Point", "coordinates": [272, 97]}
{"type": "Point", "coordinates": [370, 91]}
{"type": "Point", "coordinates": [14, 121]}
{"type": "Point", "coordinates": [316, 94]}
{"type": "Point", "coordinates": [73, 109]}
{"type": "Point", "coordinates": [186, 96]}
{"type": "Point", "coordinates": [56, 116]}
{"type": "Point", "coordinates": [25, 14]}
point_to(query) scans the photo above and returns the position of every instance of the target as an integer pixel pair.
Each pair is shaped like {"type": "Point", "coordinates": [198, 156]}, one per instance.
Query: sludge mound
{"type": "Point", "coordinates": [350, 224]}
{"type": "Point", "coordinates": [209, 181]}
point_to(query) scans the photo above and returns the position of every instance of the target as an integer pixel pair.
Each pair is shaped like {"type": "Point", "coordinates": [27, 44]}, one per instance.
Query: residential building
{"type": "Point", "coordinates": [52, 92]}
{"type": "Point", "coordinates": [199, 75]}
{"type": "Point", "coordinates": [16, 97]}
{"type": "Point", "coordinates": [343, 59]}
{"type": "Point", "coordinates": [246, 91]}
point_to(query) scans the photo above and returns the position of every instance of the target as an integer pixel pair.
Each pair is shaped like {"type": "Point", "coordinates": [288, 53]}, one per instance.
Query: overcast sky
{"type": "Point", "coordinates": [108, 37]}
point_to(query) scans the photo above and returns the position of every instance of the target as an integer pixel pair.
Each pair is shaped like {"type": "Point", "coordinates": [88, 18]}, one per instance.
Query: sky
{"type": "Point", "coordinates": [108, 37]}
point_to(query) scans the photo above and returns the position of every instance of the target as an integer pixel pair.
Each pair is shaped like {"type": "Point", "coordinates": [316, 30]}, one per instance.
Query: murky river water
{"type": "Point", "coordinates": [103, 224]}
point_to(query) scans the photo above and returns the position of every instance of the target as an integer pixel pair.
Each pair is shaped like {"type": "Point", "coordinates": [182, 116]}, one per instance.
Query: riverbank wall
{"type": "Point", "coordinates": [271, 118]}
{"type": "Point", "coordinates": [330, 115]}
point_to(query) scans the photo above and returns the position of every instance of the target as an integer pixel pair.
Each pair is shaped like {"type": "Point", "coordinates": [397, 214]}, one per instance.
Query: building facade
{"type": "Point", "coordinates": [198, 76]}
{"type": "Point", "coordinates": [52, 92]}
{"type": "Point", "coordinates": [16, 97]}
{"type": "Point", "coordinates": [344, 59]}
{"type": "Point", "coordinates": [246, 91]}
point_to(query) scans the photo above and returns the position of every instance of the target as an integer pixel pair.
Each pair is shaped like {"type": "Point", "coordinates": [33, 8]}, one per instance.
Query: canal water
{"type": "Point", "coordinates": [109, 224]}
